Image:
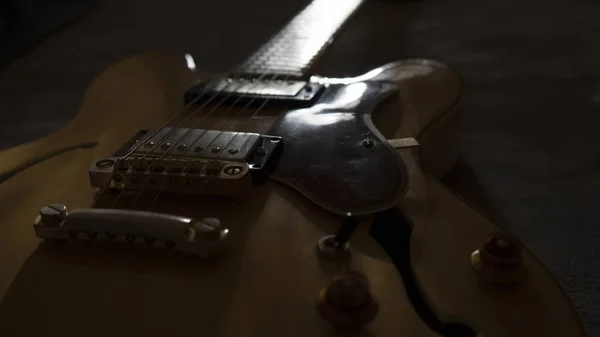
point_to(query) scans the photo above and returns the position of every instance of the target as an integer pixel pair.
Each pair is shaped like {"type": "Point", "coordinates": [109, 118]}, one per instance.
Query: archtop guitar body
{"type": "Point", "coordinates": [264, 202]}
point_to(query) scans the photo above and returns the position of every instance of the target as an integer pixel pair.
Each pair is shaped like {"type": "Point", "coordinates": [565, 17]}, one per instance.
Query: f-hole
{"type": "Point", "coordinates": [393, 231]}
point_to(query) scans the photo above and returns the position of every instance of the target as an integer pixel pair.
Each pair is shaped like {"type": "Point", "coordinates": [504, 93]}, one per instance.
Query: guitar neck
{"type": "Point", "coordinates": [292, 51]}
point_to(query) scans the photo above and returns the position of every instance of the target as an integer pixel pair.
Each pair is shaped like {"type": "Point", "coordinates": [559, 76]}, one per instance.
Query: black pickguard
{"type": "Point", "coordinates": [333, 154]}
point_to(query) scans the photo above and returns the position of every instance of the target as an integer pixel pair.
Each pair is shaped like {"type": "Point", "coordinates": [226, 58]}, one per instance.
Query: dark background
{"type": "Point", "coordinates": [530, 143]}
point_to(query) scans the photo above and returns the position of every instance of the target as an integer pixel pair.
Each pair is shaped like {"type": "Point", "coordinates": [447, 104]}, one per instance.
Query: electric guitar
{"type": "Point", "coordinates": [266, 201]}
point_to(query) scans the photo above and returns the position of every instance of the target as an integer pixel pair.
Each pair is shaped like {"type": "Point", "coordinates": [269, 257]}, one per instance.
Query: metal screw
{"type": "Point", "coordinates": [368, 142]}
{"type": "Point", "coordinates": [165, 145]}
{"type": "Point", "coordinates": [149, 144]}
{"type": "Point", "coordinates": [105, 163]}
{"type": "Point", "coordinates": [216, 149]}
{"type": "Point", "coordinates": [53, 215]}
{"type": "Point", "coordinates": [182, 147]}
{"type": "Point", "coordinates": [233, 151]}
{"type": "Point", "coordinates": [198, 148]}
{"type": "Point", "coordinates": [233, 170]}
{"type": "Point", "coordinates": [261, 151]}
{"type": "Point", "coordinates": [329, 248]}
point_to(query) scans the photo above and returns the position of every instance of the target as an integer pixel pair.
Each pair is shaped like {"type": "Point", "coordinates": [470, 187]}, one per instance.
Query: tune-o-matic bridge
{"type": "Point", "coordinates": [196, 161]}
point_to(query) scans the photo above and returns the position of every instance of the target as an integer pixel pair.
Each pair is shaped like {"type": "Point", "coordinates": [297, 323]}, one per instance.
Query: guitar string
{"type": "Point", "coordinates": [279, 35]}
{"type": "Point", "coordinates": [234, 72]}
{"type": "Point", "coordinates": [165, 124]}
{"type": "Point", "coordinates": [185, 108]}
{"type": "Point", "coordinates": [176, 128]}
{"type": "Point", "coordinates": [190, 129]}
{"type": "Point", "coordinates": [176, 144]}
{"type": "Point", "coordinates": [264, 103]}
{"type": "Point", "coordinates": [160, 142]}
{"type": "Point", "coordinates": [229, 74]}
{"type": "Point", "coordinates": [236, 69]}
{"type": "Point", "coordinates": [222, 129]}
{"type": "Point", "coordinates": [203, 93]}
{"type": "Point", "coordinates": [166, 181]}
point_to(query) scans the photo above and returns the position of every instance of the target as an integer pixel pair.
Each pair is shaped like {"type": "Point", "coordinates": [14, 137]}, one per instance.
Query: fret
{"type": "Point", "coordinates": [292, 51]}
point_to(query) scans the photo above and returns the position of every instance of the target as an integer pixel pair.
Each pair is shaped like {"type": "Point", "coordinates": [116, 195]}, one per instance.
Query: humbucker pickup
{"type": "Point", "coordinates": [194, 161]}
{"type": "Point", "coordinates": [252, 88]}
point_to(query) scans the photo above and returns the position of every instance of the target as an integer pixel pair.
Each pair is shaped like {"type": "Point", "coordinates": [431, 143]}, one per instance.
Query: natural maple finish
{"type": "Point", "coordinates": [268, 282]}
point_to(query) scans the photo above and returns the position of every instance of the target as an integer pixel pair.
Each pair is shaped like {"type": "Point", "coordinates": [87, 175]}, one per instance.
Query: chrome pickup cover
{"type": "Point", "coordinates": [259, 87]}
{"type": "Point", "coordinates": [189, 161]}
{"type": "Point", "coordinates": [197, 144]}
{"type": "Point", "coordinates": [254, 88]}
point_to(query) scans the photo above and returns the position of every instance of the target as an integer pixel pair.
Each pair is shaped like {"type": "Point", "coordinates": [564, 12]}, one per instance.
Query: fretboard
{"type": "Point", "coordinates": [292, 51]}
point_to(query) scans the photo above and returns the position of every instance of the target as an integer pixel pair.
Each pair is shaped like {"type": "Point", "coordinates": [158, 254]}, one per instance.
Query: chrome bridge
{"type": "Point", "coordinates": [202, 237]}
{"type": "Point", "coordinates": [194, 161]}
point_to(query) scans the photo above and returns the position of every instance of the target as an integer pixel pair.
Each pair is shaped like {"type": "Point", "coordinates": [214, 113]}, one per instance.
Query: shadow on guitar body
{"type": "Point", "coordinates": [136, 288]}
{"type": "Point", "coordinates": [462, 180]}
